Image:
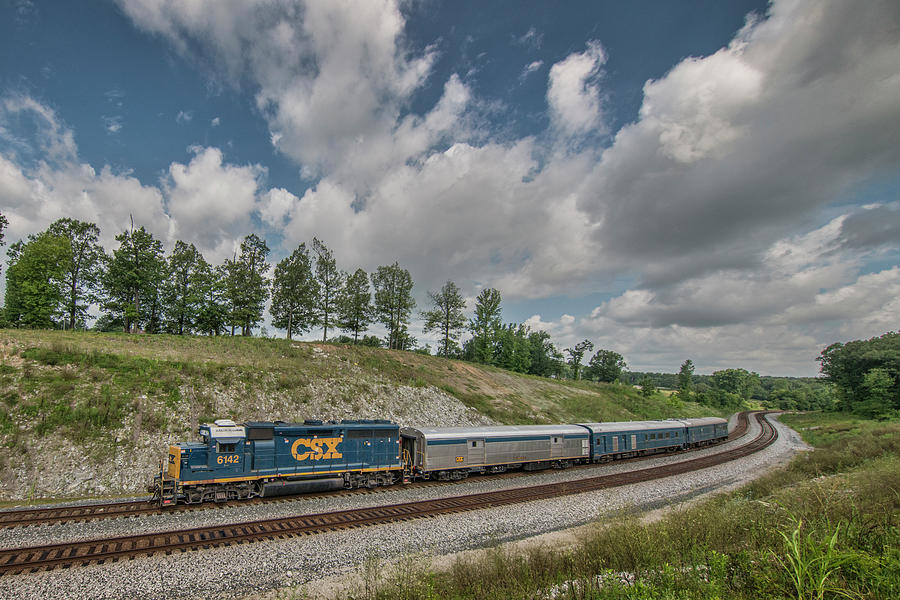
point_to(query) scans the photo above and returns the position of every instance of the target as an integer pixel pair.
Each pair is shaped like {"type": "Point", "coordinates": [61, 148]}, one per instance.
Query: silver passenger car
{"type": "Point", "coordinates": [495, 448]}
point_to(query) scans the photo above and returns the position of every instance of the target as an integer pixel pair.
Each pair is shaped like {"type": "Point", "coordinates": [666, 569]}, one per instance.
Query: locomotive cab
{"type": "Point", "coordinates": [218, 454]}
{"type": "Point", "coordinates": [224, 441]}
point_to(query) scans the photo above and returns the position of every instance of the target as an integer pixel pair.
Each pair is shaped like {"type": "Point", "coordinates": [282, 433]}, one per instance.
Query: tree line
{"type": "Point", "coordinates": [732, 388]}
{"type": "Point", "coordinates": [55, 276]}
{"type": "Point", "coordinates": [866, 375]}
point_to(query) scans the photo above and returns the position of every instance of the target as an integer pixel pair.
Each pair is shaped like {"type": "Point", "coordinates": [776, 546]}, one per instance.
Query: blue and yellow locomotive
{"type": "Point", "coordinates": [231, 461]}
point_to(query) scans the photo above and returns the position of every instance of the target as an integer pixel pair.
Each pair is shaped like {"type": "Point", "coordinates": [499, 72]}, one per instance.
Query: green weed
{"type": "Point", "coordinates": [813, 564]}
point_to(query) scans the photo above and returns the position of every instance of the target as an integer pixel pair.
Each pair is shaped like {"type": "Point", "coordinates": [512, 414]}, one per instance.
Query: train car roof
{"type": "Point", "coordinates": [497, 431]}
{"type": "Point", "coordinates": [632, 425]}
{"type": "Point", "coordinates": [704, 421]}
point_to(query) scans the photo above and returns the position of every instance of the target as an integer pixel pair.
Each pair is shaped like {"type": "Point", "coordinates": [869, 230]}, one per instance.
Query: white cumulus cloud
{"type": "Point", "coordinates": [573, 92]}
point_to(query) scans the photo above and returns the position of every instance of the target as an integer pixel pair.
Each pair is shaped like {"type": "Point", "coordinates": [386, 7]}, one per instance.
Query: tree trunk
{"type": "Point", "coordinates": [137, 309]}
{"type": "Point", "coordinates": [72, 306]}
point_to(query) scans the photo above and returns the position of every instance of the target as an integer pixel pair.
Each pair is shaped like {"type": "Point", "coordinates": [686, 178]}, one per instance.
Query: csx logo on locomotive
{"type": "Point", "coordinates": [314, 448]}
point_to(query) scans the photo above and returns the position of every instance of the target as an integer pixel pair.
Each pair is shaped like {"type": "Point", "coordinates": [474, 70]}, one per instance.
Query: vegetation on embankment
{"type": "Point", "coordinates": [826, 526]}
{"type": "Point", "coordinates": [106, 404]}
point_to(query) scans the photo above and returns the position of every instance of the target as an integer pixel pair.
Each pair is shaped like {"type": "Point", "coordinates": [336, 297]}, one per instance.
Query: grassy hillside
{"type": "Point", "coordinates": [107, 404]}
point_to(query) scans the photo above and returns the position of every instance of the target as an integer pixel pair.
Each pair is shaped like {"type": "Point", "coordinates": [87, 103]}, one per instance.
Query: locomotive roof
{"type": "Point", "coordinates": [282, 426]}
{"type": "Point", "coordinates": [494, 431]}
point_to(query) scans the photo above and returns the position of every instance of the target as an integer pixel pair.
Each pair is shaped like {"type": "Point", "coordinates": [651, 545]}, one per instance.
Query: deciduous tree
{"type": "Point", "coordinates": [34, 281]}
{"type": "Point", "coordinates": [183, 292]}
{"type": "Point", "coordinates": [576, 354]}
{"type": "Point", "coordinates": [446, 317]}
{"type": "Point", "coordinates": [330, 280]}
{"type": "Point", "coordinates": [82, 279]}
{"type": "Point", "coordinates": [3, 224]}
{"type": "Point", "coordinates": [393, 302]}
{"type": "Point", "coordinates": [294, 293]}
{"type": "Point", "coordinates": [133, 279]}
{"type": "Point", "coordinates": [648, 388]}
{"type": "Point", "coordinates": [686, 378]}
{"type": "Point", "coordinates": [607, 365]}
{"type": "Point", "coordinates": [485, 325]}
{"type": "Point", "coordinates": [513, 350]}
{"type": "Point", "coordinates": [247, 288]}
{"type": "Point", "coordinates": [212, 312]}
{"type": "Point", "coordinates": [848, 365]}
{"type": "Point", "coordinates": [542, 353]}
{"type": "Point", "coordinates": [355, 304]}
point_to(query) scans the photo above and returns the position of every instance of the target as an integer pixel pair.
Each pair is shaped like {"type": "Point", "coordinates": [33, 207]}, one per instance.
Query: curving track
{"type": "Point", "coordinates": [99, 551]}
{"type": "Point", "coordinates": [110, 510]}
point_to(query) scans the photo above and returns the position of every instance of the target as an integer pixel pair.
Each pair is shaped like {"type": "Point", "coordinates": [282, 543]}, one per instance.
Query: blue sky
{"type": "Point", "coordinates": [705, 180]}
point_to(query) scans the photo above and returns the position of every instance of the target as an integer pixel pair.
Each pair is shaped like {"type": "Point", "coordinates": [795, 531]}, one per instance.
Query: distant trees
{"type": "Point", "coordinates": [246, 288]}
{"type": "Point", "coordinates": [330, 280]}
{"type": "Point", "coordinates": [212, 313]}
{"type": "Point", "coordinates": [294, 294]}
{"type": "Point", "coordinates": [394, 303]}
{"type": "Point", "coordinates": [866, 374]}
{"type": "Point", "coordinates": [607, 365]}
{"type": "Point", "coordinates": [355, 304]}
{"type": "Point", "coordinates": [686, 379]}
{"type": "Point", "coordinates": [648, 388]}
{"type": "Point", "coordinates": [3, 225]}
{"type": "Point", "coordinates": [183, 290]}
{"type": "Point", "coordinates": [83, 271]}
{"type": "Point", "coordinates": [576, 354]}
{"type": "Point", "coordinates": [55, 276]}
{"type": "Point", "coordinates": [485, 325]}
{"type": "Point", "coordinates": [446, 317]}
{"type": "Point", "coordinates": [733, 386]}
{"type": "Point", "coordinates": [513, 351]}
{"type": "Point", "coordinates": [133, 279]}
{"type": "Point", "coordinates": [879, 397]}
{"type": "Point", "coordinates": [34, 281]}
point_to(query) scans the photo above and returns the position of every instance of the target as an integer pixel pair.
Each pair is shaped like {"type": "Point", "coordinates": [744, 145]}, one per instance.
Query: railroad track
{"type": "Point", "coordinates": [99, 551]}
{"type": "Point", "coordinates": [111, 510]}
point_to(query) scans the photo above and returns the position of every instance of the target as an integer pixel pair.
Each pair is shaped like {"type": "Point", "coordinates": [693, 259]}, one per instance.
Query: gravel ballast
{"type": "Point", "coordinates": [242, 570]}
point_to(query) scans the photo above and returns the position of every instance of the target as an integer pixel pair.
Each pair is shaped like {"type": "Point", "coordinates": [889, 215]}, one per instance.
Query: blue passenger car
{"type": "Point", "coordinates": [705, 430]}
{"type": "Point", "coordinates": [632, 438]}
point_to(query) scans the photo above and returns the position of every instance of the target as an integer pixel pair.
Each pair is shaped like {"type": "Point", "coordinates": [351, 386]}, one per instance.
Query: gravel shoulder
{"type": "Point", "coordinates": [280, 568]}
